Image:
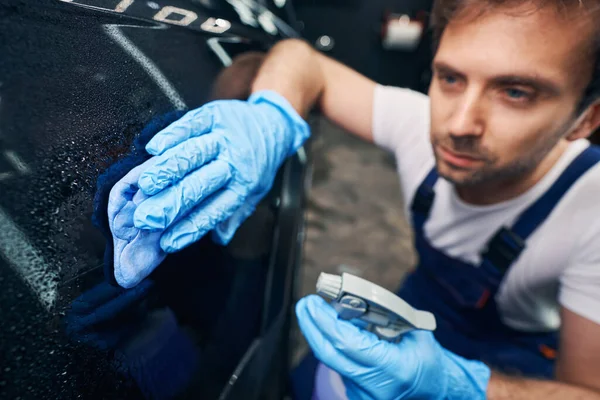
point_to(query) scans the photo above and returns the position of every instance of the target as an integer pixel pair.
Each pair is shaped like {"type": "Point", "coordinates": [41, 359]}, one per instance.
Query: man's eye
{"type": "Point", "coordinates": [517, 94]}
{"type": "Point", "coordinates": [449, 79]}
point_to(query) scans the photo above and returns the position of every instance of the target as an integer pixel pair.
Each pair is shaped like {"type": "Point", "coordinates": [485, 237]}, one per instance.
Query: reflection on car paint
{"type": "Point", "coordinates": [27, 261]}
{"type": "Point", "coordinates": [74, 99]}
{"type": "Point", "coordinates": [215, 45]}
{"type": "Point", "coordinates": [16, 248]}
{"type": "Point", "coordinates": [16, 162]}
{"type": "Point", "coordinates": [147, 64]}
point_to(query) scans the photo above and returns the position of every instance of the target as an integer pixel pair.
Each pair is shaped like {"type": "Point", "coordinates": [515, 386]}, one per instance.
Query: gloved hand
{"type": "Point", "coordinates": [416, 368]}
{"type": "Point", "coordinates": [214, 165]}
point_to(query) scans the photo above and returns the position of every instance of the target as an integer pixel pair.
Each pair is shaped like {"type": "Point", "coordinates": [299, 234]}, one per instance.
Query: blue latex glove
{"type": "Point", "coordinates": [214, 165]}
{"type": "Point", "coordinates": [416, 368]}
{"type": "Point", "coordinates": [136, 252]}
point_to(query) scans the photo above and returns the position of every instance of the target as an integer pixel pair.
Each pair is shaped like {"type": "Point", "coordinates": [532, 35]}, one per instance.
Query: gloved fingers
{"type": "Point", "coordinates": [360, 346]}
{"type": "Point", "coordinates": [120, 194]}
{"type": "Point", "coordinates": [359, 323]}
{"type": "Point", "coordinates": [355, 392]}
{"type": "Point", "coordinates": [200, 221]}
{"type": "Point", "coordinates": [124, 190]}
{"type": "Point", "coordinates": [160, 211]}
{"type": "Point", "coordinates": [178, 161]}
{"type": "Point", "coordinates": [225, 230]}
{"type": "Point", "coordinates": [136, 260]}
{"type": "Point", "coordinates": [413, 340]}
{"type": "Point", "coordinates": [122, 223]}
{"type": "Point", "coordinates": [194, 123]}
{"type": "Point", "coordinates": [314, 333]}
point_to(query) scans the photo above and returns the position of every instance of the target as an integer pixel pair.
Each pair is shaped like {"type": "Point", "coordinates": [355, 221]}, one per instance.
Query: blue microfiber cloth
{"type": "Point", "coordinates": [134, 325]}
{"type": "Point", "coordinates": [180, 278]}
{"type": "Point", "coordinates": [147, 345]}
{"type": "Point", "coordinates": [160, 358]}
{"type": "Point", "coordinates": [136, 252]}
{"type": "Point", "coordinates": [105, 314]}
{"type": "Point", "coordinates": [199, 287]}
{"type": "Point", "coordinates": [129, 246]}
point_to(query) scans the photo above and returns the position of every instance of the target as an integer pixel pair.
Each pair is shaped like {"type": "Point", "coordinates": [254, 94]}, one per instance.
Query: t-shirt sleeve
{"type": "Point", "coordinates": [399, 117]}
{"type": "Point", "coordinates": [401, 120]}
{"type": "Point", "coordinates": [580, 281]}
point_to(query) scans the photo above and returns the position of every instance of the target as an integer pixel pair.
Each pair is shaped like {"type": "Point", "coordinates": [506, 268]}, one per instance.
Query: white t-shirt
{"type": "Point", "coordinates": [559, 266]}
{"type": "Point", "coordinates": [561, 263]}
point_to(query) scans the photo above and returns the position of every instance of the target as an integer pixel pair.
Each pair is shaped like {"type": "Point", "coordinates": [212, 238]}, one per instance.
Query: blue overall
{"type": "Point", "coordinates": [462, 295]}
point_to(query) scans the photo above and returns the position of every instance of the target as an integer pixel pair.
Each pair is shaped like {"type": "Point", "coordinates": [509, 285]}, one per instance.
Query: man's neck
{"type": "Point", "coordinates": [497, 192]}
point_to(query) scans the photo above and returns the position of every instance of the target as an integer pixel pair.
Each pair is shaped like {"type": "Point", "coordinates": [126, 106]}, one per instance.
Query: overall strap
{"type": "Point", "coordinates": [508, 243]}
{"type": "Point", "coordinates": [423, 200]}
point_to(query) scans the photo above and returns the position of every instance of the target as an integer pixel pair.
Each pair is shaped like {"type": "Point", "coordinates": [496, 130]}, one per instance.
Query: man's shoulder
{"type": "Point", "coordinates": [586, 190]}
{"type": "Point", "coordinates": [393, 96]}
{"type": "Point", "coordinates": [400, 116]}
{"type": "Point", "coordinates": [581, 205]}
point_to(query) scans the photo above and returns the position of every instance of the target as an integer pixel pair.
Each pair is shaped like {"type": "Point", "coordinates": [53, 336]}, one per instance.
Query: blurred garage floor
{"type": "Point", "coordinates": [355, 220]}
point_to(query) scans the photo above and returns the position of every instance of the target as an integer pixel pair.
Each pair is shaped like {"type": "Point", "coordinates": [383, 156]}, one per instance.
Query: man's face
{"type": "Point", "coordinates": [504, 92]}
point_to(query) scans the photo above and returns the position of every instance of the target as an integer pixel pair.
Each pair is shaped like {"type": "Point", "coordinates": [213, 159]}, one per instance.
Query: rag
{"type": "Point", "coordinates": [137, 252]}
{"type": "Point", "coordinates": [148, 346]}
{"type": "Point", "coordinates": [130, 254]}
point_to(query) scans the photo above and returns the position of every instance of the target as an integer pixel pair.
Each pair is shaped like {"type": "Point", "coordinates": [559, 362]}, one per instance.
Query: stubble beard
{"type": "Point", "coordinates": [488, 173]}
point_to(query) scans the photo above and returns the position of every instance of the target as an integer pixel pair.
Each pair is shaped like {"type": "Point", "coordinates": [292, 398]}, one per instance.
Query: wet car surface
{"type": "Point", "coordinates": [79, 82]}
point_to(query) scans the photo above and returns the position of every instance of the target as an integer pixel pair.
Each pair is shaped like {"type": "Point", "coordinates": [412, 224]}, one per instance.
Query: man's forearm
{"type": "Point", "coordinates": [309, 79]}
{"type": "Point", "coordinates": [502, 387]}
{"type": "Point", "coordinates": [292, 69]}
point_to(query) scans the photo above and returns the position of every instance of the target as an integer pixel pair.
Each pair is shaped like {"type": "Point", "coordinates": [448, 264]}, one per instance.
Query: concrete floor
{"type": "Point", "coordinates": [355, 220]}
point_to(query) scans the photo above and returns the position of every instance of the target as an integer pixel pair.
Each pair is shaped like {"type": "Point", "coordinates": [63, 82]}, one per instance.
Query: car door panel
{"type": "Point", "coordinates": [78, 83]}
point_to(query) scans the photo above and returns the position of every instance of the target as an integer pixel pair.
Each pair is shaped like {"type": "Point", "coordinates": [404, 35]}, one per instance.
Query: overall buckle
{"type": "Point", "coordinates": [503, 249]}
{"type": "Point", "coordinates": [423, 200]}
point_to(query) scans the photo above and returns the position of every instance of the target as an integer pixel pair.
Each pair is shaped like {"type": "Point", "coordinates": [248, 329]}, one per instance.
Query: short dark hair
{"type": "Point", "coordinates": [445, 11]}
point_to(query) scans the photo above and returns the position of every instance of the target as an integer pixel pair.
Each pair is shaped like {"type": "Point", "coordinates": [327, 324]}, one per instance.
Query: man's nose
{"type": "Point", "coordinates": [467, 118]}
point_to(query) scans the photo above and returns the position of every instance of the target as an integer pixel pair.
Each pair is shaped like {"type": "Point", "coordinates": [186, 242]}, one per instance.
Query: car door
{"type": "Point", "coordinates": [82, 84]}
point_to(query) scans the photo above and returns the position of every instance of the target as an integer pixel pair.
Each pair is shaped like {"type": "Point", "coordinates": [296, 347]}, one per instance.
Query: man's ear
{"type": "Point", "coordinates": [587, 123]}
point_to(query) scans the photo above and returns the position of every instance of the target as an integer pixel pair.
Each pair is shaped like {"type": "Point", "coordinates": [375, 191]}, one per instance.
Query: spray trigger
{"type": "Point", "coordinates": [386, 315]}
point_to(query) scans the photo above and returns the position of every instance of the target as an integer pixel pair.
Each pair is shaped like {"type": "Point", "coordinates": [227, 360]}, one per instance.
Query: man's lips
{"type": "Point", "coordinates": [458, 159]}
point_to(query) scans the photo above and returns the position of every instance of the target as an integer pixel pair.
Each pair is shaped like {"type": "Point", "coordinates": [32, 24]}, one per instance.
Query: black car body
{"type": "Point", "coordinates": [79, 81]}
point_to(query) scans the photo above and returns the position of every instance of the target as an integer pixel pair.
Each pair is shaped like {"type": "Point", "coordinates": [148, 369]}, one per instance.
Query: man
{"type": "Point", "coordinates": [508, 239]}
